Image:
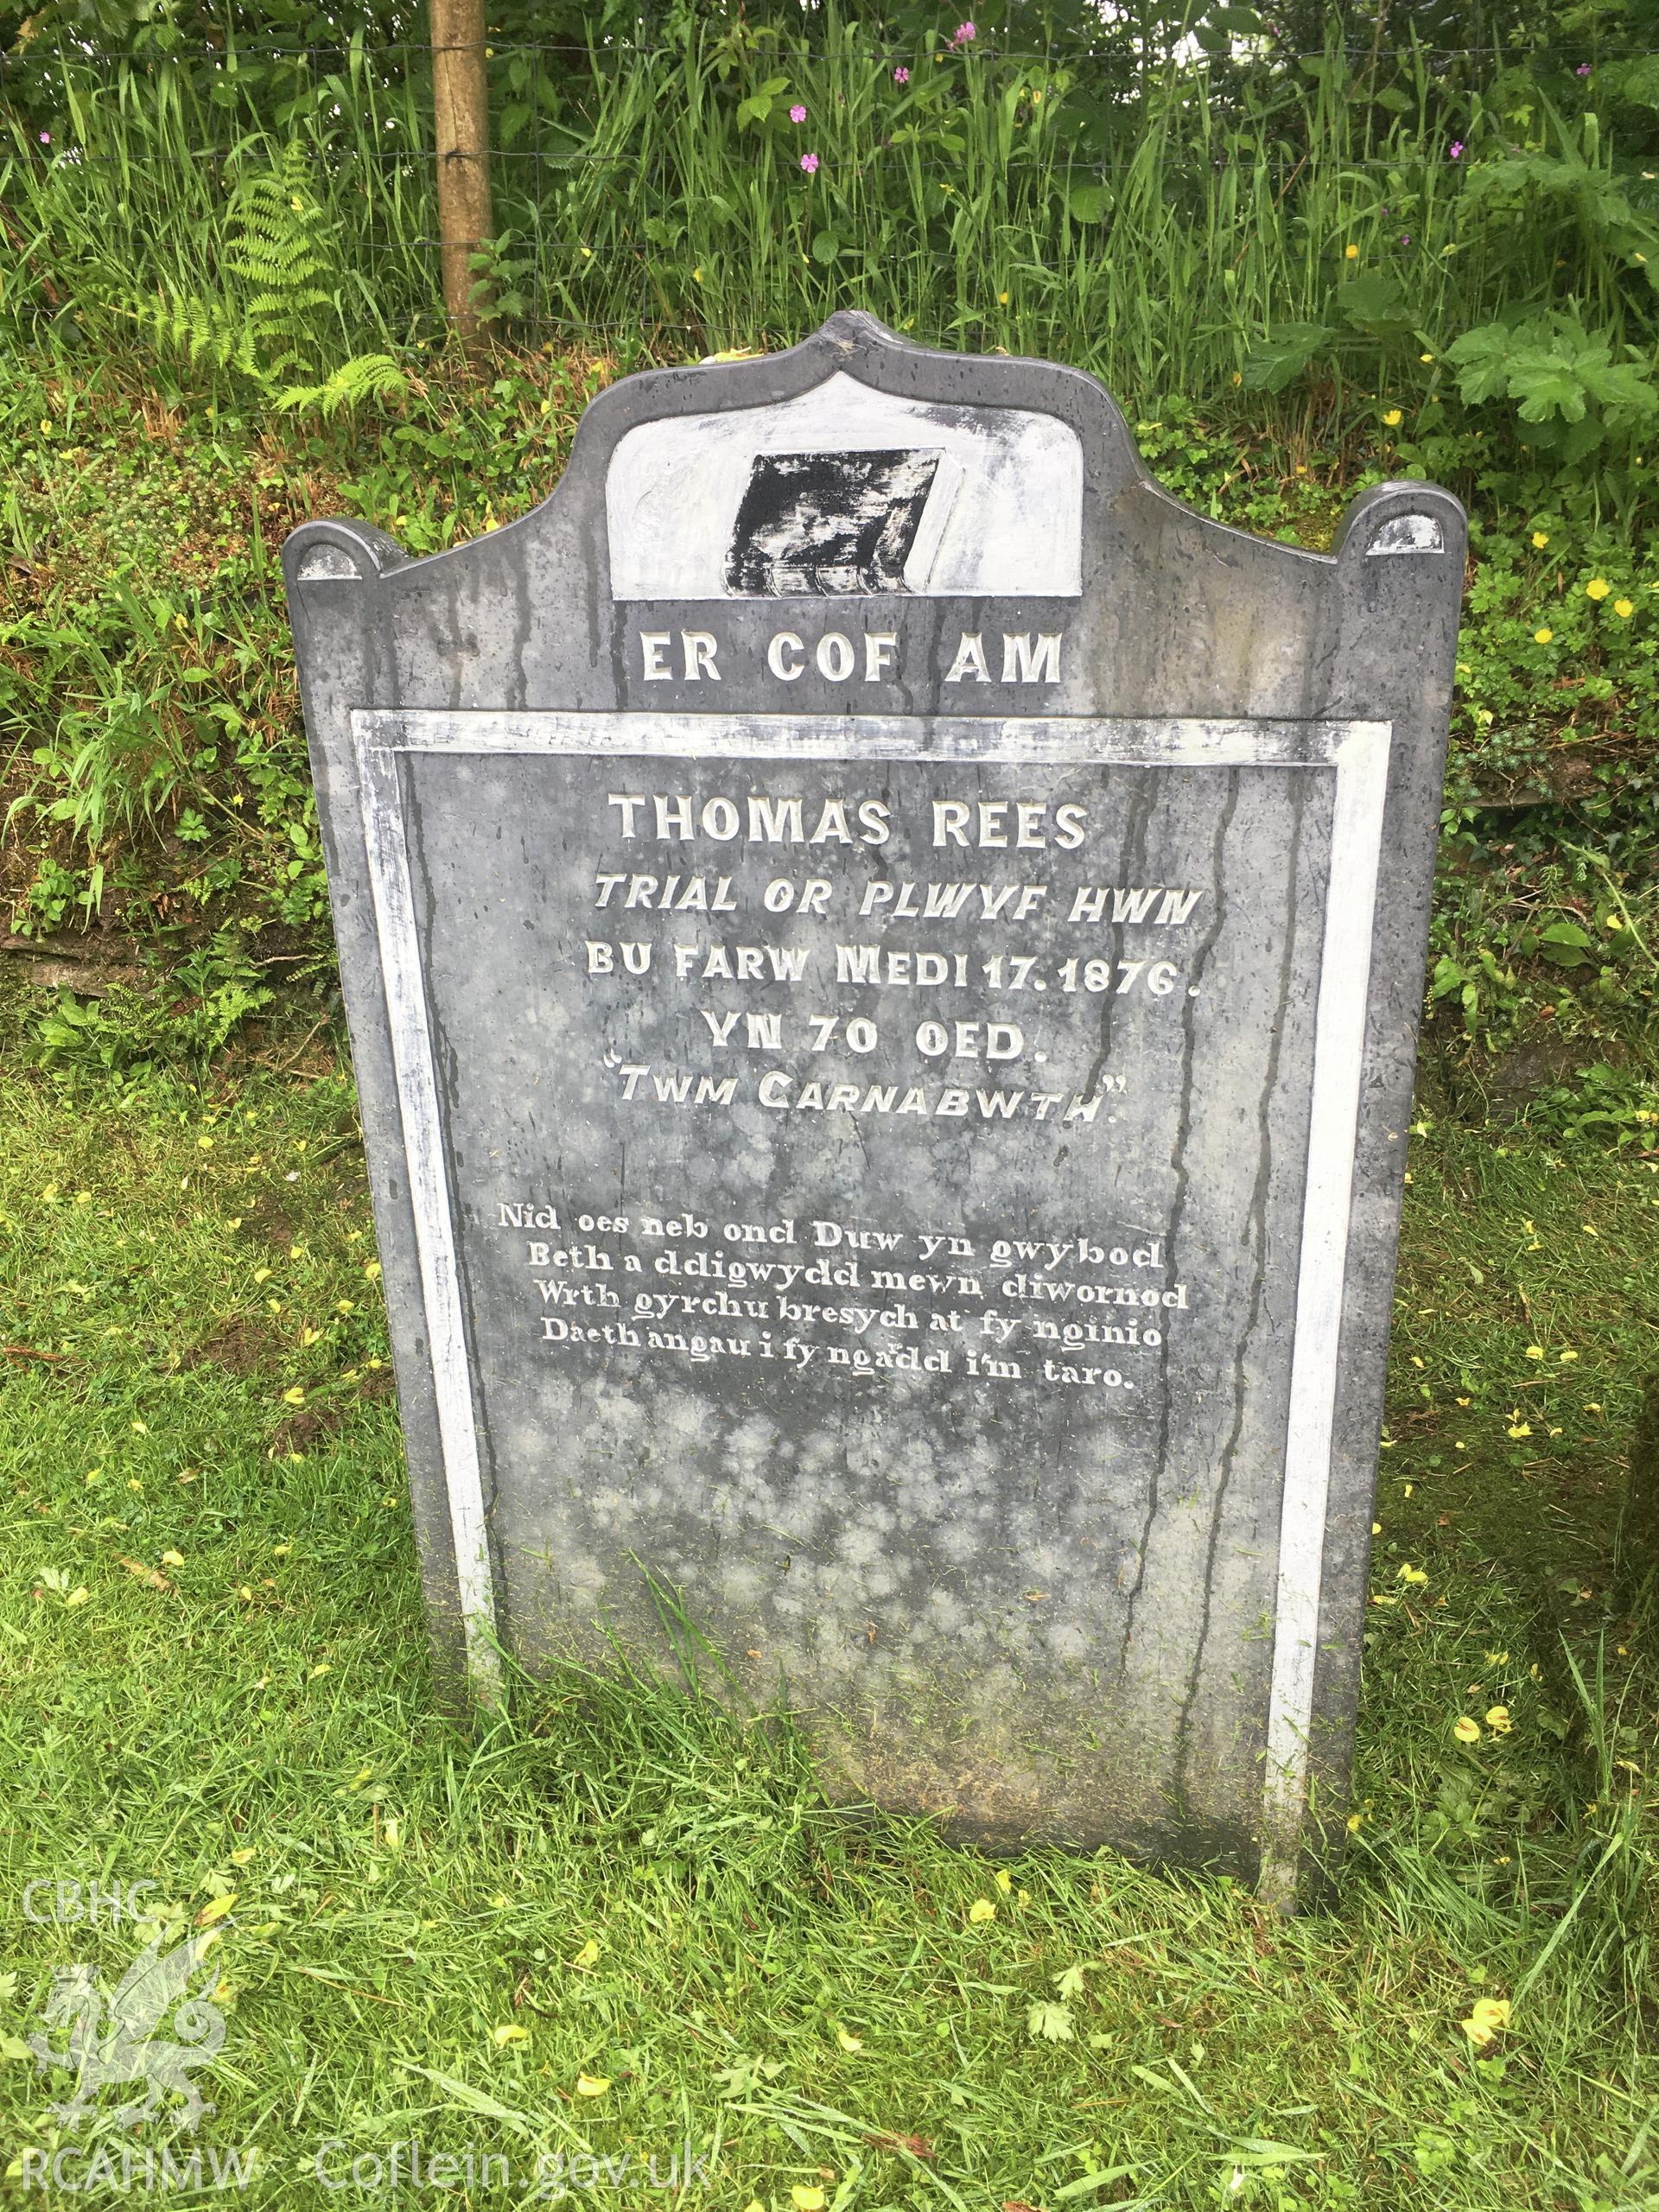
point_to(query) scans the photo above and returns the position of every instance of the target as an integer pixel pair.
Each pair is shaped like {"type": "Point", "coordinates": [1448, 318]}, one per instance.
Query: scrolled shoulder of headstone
{"type": "Point", "coordinates": [339, 552]}
{"type": "Point", "coordinates": [1402, 518]}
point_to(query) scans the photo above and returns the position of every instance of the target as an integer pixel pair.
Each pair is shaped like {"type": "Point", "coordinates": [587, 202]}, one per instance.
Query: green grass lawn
{"type": "Point", "coordinates": [616, 1923]}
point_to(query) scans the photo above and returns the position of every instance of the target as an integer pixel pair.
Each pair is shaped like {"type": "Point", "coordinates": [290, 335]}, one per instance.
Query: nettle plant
{"type": "Point", "coordinates": [1573, 390]}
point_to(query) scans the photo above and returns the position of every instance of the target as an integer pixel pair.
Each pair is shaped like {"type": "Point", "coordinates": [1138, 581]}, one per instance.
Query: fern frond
{"type": "Point", "coordinates": [365, 376]}
{"type": "Point", "coordinates": [282, 253]}
{"type": "Point", "coordinates": [282, 272]}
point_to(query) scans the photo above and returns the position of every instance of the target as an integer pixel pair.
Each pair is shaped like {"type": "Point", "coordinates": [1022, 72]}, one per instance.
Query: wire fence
{"type": "Point", "coordinates": [1143, 215]}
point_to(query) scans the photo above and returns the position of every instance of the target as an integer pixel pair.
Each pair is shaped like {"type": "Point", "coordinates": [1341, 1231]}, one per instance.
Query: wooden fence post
{"type": "Point", "coordinates": [461, 105]}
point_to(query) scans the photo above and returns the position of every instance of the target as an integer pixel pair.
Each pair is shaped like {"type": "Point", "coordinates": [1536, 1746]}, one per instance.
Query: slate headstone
{"type": "Point", "coordinates": [883, 955]}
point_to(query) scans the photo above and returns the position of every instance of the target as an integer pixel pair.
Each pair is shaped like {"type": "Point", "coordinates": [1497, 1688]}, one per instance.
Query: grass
{"type": "Point", "coordinates": [211, 1644]}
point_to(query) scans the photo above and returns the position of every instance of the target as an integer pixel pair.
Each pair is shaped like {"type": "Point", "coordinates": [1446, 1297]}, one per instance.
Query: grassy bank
{"type": "Point", "coordinates": [160, 856]}
{"type": "Point", "coordinates": [212, 1650]}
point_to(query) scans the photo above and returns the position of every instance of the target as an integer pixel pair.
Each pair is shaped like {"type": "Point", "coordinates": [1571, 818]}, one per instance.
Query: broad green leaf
{"type": "Point", "coordinates": [1546, 385]}
{"type": "Point", "coordinates": [1279, 357]}
{"type": "Point", "coordinates": [1375, 303]}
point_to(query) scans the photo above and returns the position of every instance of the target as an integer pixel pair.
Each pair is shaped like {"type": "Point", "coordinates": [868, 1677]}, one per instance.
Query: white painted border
{"type": "Point", "coordinates": [1358, 752]}
{"type": "Point", "coordinates": [435, 1240]}
{"type": "Point", "coordinates": [1362, 768]}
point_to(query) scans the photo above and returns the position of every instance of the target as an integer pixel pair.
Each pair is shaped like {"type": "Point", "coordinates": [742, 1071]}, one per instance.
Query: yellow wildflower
{"type": "Point", "coordinates": [592, 2085]}
{"type": "Point", "coordinates": [1542, 637]}
{"type": "Point", "coordinates": [1499, 1721]}
{"type": "Point", "coordinates": [805, 2199]}
{"type": "Point", "coordinates": [1540, 538]}
{"type": "Point", "coordinates": [1486, 2016]}
{"type": "Point", "coordinates": [1393, 418]}
{"type": "Point", "coordinates": [1597, 587]}
{"type": "Point", "coordinates": [1466, 1731]}
{"type": "Point", "coordinates": [981, 1910]}
{"type": "Point", "coordinates": [1534, 1351]}
{"type": "Point", "coordinates": [1350, 253]}
{"type": "Point", "coordinates": [511, 2033]}
{"type": "Point", "coordinates": [1623, 608]}
{"type": "Point", "coordinates": [849, 2042]}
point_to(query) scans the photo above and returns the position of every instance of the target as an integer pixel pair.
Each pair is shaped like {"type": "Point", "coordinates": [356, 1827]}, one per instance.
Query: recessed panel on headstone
{"type": "Point", "coordinates": [883, 957]}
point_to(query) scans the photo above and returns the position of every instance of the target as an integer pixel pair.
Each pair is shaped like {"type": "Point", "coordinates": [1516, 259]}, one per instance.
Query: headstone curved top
{"type": "Point", "coordinates": [883, 954]}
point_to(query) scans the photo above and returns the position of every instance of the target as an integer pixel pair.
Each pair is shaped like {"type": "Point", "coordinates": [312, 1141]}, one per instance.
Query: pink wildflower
{"type": "Point", "coordinates": [901, 76]}
{"type": "Point", "coordinates": [1457, 149]}
{"type": "Point", "coordinates": [964, 32]}
{"type": "Point", "coordinates": [797, 113]}
{"type": "Point", "coordinates": [809, 163]}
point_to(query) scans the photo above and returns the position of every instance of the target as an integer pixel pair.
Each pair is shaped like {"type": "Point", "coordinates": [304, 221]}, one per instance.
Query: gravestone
{"type": "Point", "coordinates": [883, 957]}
